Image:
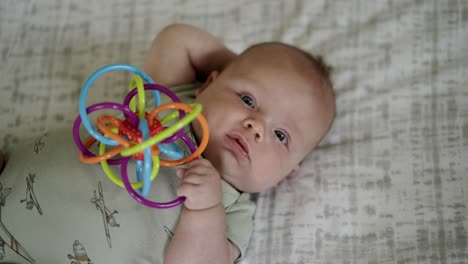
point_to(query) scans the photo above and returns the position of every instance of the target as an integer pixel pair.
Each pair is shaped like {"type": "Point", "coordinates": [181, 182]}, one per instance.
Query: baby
{"type": "Point", "coordinates": [267, 108]}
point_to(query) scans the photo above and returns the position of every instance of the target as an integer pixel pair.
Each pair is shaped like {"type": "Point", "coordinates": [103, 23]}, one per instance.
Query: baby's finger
{"type": "Point", "coordinates": [186, 190]}
{"type": "Point", "coordinates": [193, 178]}
{"type": "Point", "coordinates": [201, 162]}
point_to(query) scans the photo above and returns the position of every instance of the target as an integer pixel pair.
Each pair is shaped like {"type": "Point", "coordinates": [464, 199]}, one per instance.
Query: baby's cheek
{"type": "Point", "coordinates": [279, 171]}
{"type": "Point", "coordinates": [265, 177]}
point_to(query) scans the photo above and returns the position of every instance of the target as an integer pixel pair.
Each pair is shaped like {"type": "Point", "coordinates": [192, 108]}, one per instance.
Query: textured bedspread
{"type": "Point", "coordinates": [388, 185]}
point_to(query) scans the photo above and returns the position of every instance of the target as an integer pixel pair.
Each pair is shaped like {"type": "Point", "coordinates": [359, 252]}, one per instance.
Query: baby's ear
{"type": "Point", "coordinates": [211, 78]}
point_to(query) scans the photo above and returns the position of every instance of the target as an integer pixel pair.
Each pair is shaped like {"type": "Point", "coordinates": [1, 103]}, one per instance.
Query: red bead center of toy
{"type": "Point", "coordinates": [134, 135]}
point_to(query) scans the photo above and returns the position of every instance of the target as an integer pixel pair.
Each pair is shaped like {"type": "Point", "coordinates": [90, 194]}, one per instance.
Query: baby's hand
{"type": "Point", "coordinates": [201, 185]}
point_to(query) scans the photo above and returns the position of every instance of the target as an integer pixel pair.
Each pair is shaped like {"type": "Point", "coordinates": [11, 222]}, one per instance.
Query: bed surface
{"type": "Point", "coordinates": [389, 183]}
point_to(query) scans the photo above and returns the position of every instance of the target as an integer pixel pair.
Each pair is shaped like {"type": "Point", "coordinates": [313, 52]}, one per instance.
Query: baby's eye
{"type": "Point", "coordinates": [248, 101]}
{"type": "Point", "coordinates": [281, 137]}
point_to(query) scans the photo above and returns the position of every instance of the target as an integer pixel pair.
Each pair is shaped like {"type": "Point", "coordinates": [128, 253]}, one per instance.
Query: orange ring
{"type": "Point", "coordinates": [203, 123]}
{"type": "Point", "coordinates": [108, 130]}
{"type": "Point", "coordinates": [116, 123]}
{"type": "Point", "coordinates": [91, 160]}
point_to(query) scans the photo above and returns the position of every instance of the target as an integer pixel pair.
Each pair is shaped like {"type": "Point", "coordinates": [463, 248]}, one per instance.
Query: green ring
{"type": "Point", "coordinates": [117, 180]}
{"type": "Point", "coordinates": [138, 82]}
{"type": "Point", "coordinates": [197, 108]}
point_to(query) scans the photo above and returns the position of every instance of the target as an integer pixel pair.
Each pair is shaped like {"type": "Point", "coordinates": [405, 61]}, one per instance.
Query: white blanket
{"type": "Point", "coordinates": [388, 185]}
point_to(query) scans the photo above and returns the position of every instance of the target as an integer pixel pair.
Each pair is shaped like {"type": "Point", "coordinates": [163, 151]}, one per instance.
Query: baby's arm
{"type": "Point", "coordinates": [182, 54]}
{"type": "Point", "coordinates": [200, 236]}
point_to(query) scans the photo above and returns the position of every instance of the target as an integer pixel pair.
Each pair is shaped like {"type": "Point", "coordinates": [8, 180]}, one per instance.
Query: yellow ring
{"type": "Point", "coordinates": [117, 180]}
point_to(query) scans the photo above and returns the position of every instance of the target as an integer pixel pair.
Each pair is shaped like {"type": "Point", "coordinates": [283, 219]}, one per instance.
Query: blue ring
{"type": "Point", "coordinates": [139, 172]}
{"type": "Point", "coordinates": [147, 164]}
{"type": "Point", "coordinates": [175, 153]}
{"type": "Point", "coordinates": [84, 92]}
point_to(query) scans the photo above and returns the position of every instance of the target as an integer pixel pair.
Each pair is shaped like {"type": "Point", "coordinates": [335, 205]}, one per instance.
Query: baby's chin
{"type": "Point", "coordinates": [227, 169]}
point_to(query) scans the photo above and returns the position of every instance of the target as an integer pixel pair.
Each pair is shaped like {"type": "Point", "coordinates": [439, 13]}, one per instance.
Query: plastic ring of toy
{"type": "Point", "coordinates": [191, 147]}
{"type": "Point", "coordinates": [98, 158]}
{"type": "Point", "coordinates": [138, 83]}
{"type": "Point", "coordinates": [175, 154]}
{"type": "Point", "coordinates": [204, 142]}
{"type": "Point", "coordinates": [106, 129]}
{"type": "Point", "coordinates": [169, 117]}
{"type": "Point", "coordinates": [147, 166]}
{"type": "Point", "coordinates": [76, 126]}
{"type": "Point", "coordinates": [173, 137]}
{"type": "Point", "coordinates": [178, 134]}
{"type": "Point", "coordinates": [167, 132]}
{"type": "Point", "coordinates": [193, 113]}
{"type": "Point", "coordinates": [175, 127]}
{"type": "Point", "coordinates": [86, 87]}
{"type": "Point", "coordinates": [154, 87]}
{"type": "Point", "coordinates": [141, 199]}
{"type": "Point", "coordinates": [117, 180]}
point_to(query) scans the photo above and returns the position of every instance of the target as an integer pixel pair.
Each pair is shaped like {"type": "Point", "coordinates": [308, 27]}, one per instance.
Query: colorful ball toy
{"type": "Point", "coordinates": [139, 135]}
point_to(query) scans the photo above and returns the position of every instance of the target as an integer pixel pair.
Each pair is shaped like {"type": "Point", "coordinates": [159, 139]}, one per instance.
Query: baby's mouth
{"type": "Point", "coordinates": [242, 146]}
{"type": "Point", "coordinates": [239, 144]}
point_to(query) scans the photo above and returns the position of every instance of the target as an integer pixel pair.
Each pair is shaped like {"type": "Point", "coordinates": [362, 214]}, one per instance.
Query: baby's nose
{"type": "Point", "coordinates": [256, 127]}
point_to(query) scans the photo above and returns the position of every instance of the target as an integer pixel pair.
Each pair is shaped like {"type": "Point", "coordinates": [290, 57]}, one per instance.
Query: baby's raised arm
{"type": "Point", "coordinates": [182, 54]}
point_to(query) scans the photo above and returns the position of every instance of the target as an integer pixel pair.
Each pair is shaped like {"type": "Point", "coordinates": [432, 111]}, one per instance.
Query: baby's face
{"type": "Point", "coordinates": [264, 116]}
